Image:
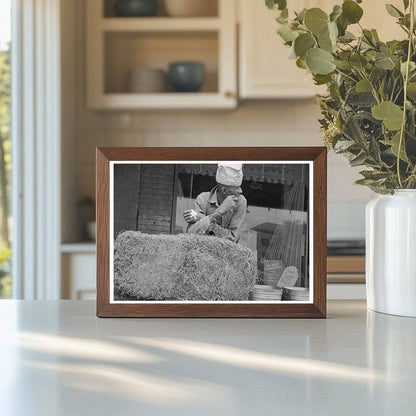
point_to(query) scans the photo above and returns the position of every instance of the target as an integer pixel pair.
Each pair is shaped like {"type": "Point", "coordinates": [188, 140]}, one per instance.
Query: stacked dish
{"type": "Point", "coordinates": [266, 293]}
{"type": "Point", "coordinates": [296, 293]}
{"type": "Point", "coordinates": [147, 80]}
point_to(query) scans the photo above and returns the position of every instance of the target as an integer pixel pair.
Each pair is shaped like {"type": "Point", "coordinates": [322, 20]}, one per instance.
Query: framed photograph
{"type": "Point", "coordinates": [211, 232]}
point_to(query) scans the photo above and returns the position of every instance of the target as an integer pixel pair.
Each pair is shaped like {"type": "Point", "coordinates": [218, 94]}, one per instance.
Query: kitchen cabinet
{"type": "Point", "coordinates": [78, 263]}
{"type": "Point", "coordinates": [118, 45]}
{"type": "Point", "coordinates": [265, 70]}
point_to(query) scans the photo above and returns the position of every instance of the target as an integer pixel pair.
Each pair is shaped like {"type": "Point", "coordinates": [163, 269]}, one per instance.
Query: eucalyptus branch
{"type": "Point", "coordinates": [406, 80]}
{"type": "Point", "coordinates": [373, 89]}
{"type": "Point", "coordinates": [369, 41]}
{"type": "Point", "coordinates": [346, 75]}
{"type": "Point", "coordinates": [382, 117]}
{"type": "Point", "coordinates": [392, 90]}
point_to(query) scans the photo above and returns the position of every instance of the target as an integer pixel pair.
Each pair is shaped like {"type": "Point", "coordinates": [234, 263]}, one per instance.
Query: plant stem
{"type": "Point", "coordinates": [406, 80]}
{"type": "Point", "coordinates": [345, 75]}
{"type": "Point", "coordinates": [373, 90]}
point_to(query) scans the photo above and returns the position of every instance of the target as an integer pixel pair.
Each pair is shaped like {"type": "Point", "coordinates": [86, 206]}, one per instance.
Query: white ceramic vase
{"type": "Point", "coordinates": [391, 253]}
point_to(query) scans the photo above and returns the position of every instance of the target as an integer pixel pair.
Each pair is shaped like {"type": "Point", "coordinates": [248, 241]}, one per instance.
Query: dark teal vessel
{"type": "Point", "coordinates": [135, 8]}
{"type": "Point", "coordinates": [186, 76]}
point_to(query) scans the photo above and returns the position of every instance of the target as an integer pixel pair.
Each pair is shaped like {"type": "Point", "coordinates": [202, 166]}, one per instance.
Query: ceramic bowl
{"type": "Point", "coordinates": [147, 80]}
{"type": "Point", "coordinates": [135, 8]}
{"type": "Point", "coordinates": [186, 76]}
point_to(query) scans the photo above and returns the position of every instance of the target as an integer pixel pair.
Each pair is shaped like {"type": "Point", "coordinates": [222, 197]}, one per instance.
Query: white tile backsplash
{"type": "Point", "coordinates": [258, 123]}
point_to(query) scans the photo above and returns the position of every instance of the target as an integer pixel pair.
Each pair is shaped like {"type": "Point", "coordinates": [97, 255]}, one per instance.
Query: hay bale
{"type": "Point", "coordinates": [181, 267]}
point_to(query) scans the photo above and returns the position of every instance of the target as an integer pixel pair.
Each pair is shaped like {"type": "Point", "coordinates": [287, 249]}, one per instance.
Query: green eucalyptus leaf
{"type": "Point", "coordinates": [411, 90]}
{"type": "Point", "coordinates": [396, 71]}
{"type": "Point", "coordinates": [394, 146]}
{"type": "Point", "coordinates": [286, 32]}
{"type": "Point", "coordinates": [391, 114]}
{"type": "Point", "coordinates": [284, 13]}
{"type": "Point", "coordinates": [354, 131]}
{"type": "Point", "coordinates": [321, 79]}
{"type": "Point", "coordinates": [282, 20]}
{"type": "Point", "coordinates": [374, 150]}
{"type": "Point", "coordinates": [336, 12]}
{"type": "Point", "coordinates": [347, 37]}
{"type": "Point", "coordinates": [412, 67]}
{"type": "Point", "coordinates": [361, 99]}
{"type": "Point", "coordinates": [303, 43]}
{"type": "Point", "coordinates": [325, 42]}
{"type": "Point", "coordinates": [358, 160]}
{"type": "Point", "coordinates": [316, 20]}
{"type": "Point", "coordinates": [334, 91]}
{"type": "Point", "coordinates": [375, 35]}
{"type": "Point", "coordinates": [343, 65]}
{"type": "Point", "coordinates": [343, 145]}
{"type": "Point", "coordinates": [319, 61]}
{"type": "Point", "coordinates": [364, 181]}
{"type": "Point", "coordinates": [351, 11]}
{"type": "Point", "coordinates": [368, 36]}
{"type": "Point", "coordinates": [385, 63]}
{"type": "Point", "coordinates": [363, 86]}
{"type": "Point", "coordinates": [333, 32]}
{"type": "Point", "coordinates": [300, 17]}
{"type": "Point", "coordinates": [374, 175]}
{"type": "Point", "coordinates": [358, 61]}
{"type": "Point", "coordinates": [276, 4]}
{"type": "Point", "coordinates": [342, 25]}
{"type": "Point", "coordinates": [377, 74]}
{"type": "Point", "coordinates": [301, 63]}
{"type": "Point", "coordinates": [405, 21]}
{"type": "Point", "coordinates": [393, 11]}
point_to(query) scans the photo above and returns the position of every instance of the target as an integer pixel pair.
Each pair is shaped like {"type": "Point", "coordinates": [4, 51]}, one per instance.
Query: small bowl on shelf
{"type": "Point", "coordinates": [147, 80]}
{"type": "Point", "coordinates": [135, 8]}
{"type": "Point", "coordinates": [191, 8]}
{"type": "Point", "coordinates": [186, 76]}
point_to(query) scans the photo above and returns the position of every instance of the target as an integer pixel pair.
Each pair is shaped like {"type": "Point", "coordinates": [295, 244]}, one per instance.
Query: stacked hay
{"type": "Point", "coordinates": [181, 267]}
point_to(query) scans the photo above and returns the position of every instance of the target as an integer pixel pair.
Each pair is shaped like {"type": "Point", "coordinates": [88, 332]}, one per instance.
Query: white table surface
{"type": "Point", "coordinates": [57, 358]}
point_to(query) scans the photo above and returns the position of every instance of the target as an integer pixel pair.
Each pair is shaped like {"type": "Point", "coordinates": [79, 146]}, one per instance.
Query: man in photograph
{"type": "Point", "coordinates": [221, 211]}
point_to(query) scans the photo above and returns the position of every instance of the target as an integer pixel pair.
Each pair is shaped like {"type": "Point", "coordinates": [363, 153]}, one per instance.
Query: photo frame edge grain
{"type": "Point", "coordinates": [317, 309]}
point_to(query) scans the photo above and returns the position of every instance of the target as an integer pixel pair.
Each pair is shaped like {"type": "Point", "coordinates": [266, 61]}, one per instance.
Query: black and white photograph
{"type": "Point", "coordinates": [211, 232]}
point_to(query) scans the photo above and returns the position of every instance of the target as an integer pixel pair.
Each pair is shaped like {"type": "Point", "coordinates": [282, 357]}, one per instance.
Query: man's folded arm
{"type": "Point", "coordinates": [233, 232]}
{"type": "Point", "coordinates": [202, 223]}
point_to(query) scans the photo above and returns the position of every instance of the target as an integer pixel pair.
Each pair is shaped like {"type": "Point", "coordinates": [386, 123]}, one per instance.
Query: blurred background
{"type": "Point", "coordinates": [100, 73]}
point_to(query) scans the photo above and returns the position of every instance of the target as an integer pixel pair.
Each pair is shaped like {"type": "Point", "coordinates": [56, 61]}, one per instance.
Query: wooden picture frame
{"type": "Point", "coordinates": [315, 156]}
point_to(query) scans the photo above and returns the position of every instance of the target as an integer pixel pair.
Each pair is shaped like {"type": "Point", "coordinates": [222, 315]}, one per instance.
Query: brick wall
{"type": "Point", "coordinates": [155, 200]}
{"type": "Point", "coordinates": [126, 197]}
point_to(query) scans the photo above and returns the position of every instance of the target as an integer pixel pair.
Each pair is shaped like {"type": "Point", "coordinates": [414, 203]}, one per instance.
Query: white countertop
{"type": "Point", "coordinates": [56, 358]}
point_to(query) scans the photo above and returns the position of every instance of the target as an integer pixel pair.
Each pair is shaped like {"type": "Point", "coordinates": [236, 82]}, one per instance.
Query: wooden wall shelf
{"type": "Point", "coordinates": [346, 264]}
{"type": "Point", "coordinates": [346, 269]}
{"type": "Point", "coordinates": [116, 46]}
{"type": "Point", "coordinates": [159, 24]}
